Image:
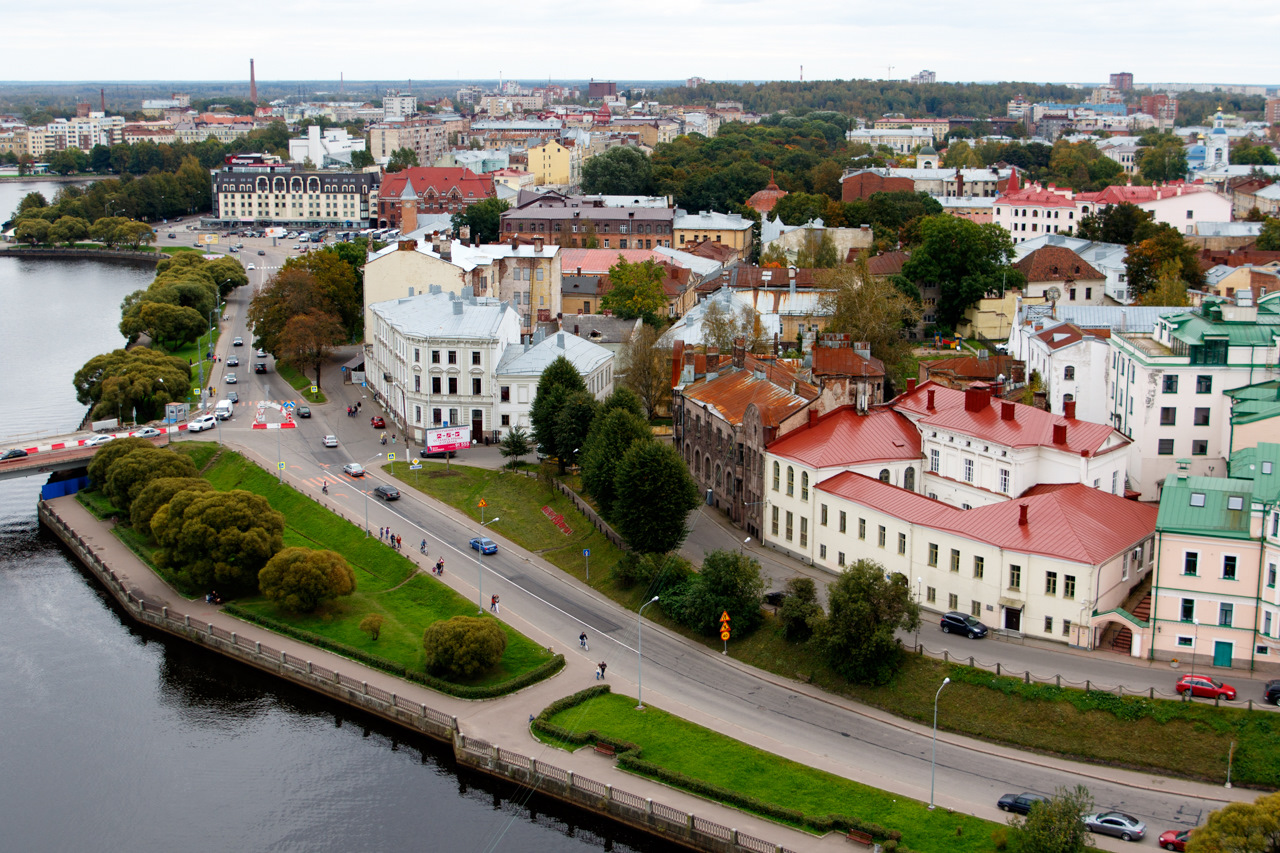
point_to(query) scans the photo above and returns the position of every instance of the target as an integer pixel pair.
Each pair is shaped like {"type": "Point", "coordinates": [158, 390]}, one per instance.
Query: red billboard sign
{"type": "Point", "coordinates": [448, 438]}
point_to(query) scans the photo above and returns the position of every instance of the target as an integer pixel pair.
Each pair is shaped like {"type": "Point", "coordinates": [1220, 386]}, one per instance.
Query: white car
{"type": "Point", "coordinates": [253, 266]}
{"type": "Point", "coordinates": [202, 423]}
{"type": "Point", "coordinates": [353, 469]}
{"type": "Point", "coordinates": [98, 439]}
{"type": "Point", "coordinates": [147, 432]}
{"type": "Point", "coordinates": [330, 441]}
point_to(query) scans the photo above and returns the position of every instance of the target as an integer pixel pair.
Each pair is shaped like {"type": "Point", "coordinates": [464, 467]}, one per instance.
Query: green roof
{"type": "Point", "coordinates": [1207, 321]}
{"type": "Point", "coordinates": [1260, 464]}
{"type": "Point", "coordinates": [1215, 506]}
{"type": "Point", "coordinates": [1256, 402]}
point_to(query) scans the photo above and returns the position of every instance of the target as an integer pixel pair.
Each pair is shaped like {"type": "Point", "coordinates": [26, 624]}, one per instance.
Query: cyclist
{"type": "Point", "coordinates": [582, 639]}
{"type": "Point", "coordinates": [324, 488]}
{"type": "Point", "coordinates": [423, 546]}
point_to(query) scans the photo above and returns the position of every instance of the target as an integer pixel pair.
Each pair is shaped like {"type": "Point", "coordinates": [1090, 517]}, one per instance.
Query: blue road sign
{"type": "Point", "coordinates": [586, 552]}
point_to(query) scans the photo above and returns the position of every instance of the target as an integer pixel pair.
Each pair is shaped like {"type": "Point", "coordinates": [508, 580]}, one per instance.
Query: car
{"type": "Point", "coordinates": [261, 252]}
{"type": "Point", "coordinates": [173, 236]}
{"type": "Point", "coordinates": [233, 361]}
{"type": "Point", "coordinates": [437, 454]}
{"type": "Point", "coordinates": [13, 453]}
{"type": "Point", "coordinates": [1123, 826]}
{"type": "Point", "coordinates": [775, 598]}
{"type": "Point", "coordinates": [259, 367]}
{"type": "Point", "coordinates": [377, 422]}
{"type": "Point", "coordinates": [238, 342]}
{"type": "Point", "coordinates": [202, 423]}
{"type": "Point", "coordinates": [241, 245]}
{"type": "Point", "coordinates": [387, 493]}
{"type": "Point", "coordinates": [147, 432]}
{"type": "Point", "coordinates": [353, 469]}
{"type": "Point", "coordinates": [296, 247]}
{"type": "Point", "coordinates": [233, 250]}
{"type": "Point", "coordinates": [252, 266]}
{"type": "Point", "coordinates": [230, 379]}
{"type": "Point", "coordinates": [261, 353]}
{"type": "Point", "coordinates": [1205, 687]}
{"type": "Point", "coordinates": [484, 545]}
{"type": "Point", "coordinates": [304, 411]}
{"type": "Point", "coordinates": [330, 441]}
{"type": "Point", "coordinates": [233, 396]}
{"type": "Point", "coordinates": [1175, 839]}
{"type": "Point", "coordinates": [956, 622]}
{"type": "Point", "coordinates": [98, 439]}
{"type": "Point", "coordinates": [1020, 803]}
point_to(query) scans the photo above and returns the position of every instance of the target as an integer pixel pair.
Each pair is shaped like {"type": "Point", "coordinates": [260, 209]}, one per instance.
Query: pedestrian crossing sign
{"type": "Point", "coordinates": [391, 457]}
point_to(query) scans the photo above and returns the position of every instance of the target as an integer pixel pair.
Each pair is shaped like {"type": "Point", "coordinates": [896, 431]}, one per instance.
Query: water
{"type": "Point", "coordinates": [120, 738]}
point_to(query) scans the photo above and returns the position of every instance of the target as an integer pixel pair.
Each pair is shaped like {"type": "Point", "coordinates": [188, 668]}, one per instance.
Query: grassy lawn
{"type": "Point", "coordinates": [300, 383]}
{"type": "Point", "coordinates": [683, 747]}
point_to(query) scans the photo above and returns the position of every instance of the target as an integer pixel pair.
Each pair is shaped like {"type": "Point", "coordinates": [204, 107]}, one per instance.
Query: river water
{"type": "Point", "coordinates": [120, 738]}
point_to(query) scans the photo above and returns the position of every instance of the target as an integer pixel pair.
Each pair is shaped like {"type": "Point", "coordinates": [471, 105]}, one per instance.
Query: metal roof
{"type": "Point", "coordinates": [845, 437]}
{"type": "Point", "coordinates": [532, 359]}
{"type": "Point", "coordinates": [1203, 506]}
{"type": "Point", "coordinates": [431, 315]}
{"type": "Point", "coordinates": [729, 395]}
{"type": "Point", "coordinates": [1255, 402]}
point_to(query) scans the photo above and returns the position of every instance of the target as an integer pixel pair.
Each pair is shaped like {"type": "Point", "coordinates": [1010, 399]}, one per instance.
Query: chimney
{"type": "Point", "coordinates": [1022, 515]}
{"type": "Point", "coordinates": [713, 358]}
{"type": "Point", "coordinates": [977, 399]}
{"type": "Point", "coordinates": [102, 93]}
{"type": "Point", "coordinates": [929, 402]}
{"type": "Point", "coordinates": [457, 306]}
{"type": "Point", "coordinates": [911, 386]}
{"type": "Point", "coordinates": [560, 340]}
{"type": "Point", "coordinates": [1008, 411]}
{"type": "Point", "coordinates": [253, 85]}
{"type": "Point", "coordinates": [537, 245]}
{"type": "Point", "coordinates": [677, 362]}
{"type": "Point", "coordinates": [739, 352]}
{"type": "Point", "coordinates": [1059, 433]}
{"type": "Point", "coordinates": [406, 245]}
{"type": "Point", "coordinates": [408, 216]}
{"type": "Point", "coordinates": [1069, 410]}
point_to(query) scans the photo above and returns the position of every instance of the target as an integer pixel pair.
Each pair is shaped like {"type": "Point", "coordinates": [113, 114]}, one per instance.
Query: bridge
{"type": "Point", "coordinates": [68, 452]}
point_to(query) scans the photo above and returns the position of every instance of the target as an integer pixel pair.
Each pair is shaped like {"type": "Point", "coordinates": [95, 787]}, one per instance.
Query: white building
{"type": "Point", "coordinates": [1072, 362]}
{"type": "Point", "coordinates": [521, 368]}
{"type": "Point", "coordinates": [399, 105]}
{"type": "Point", "coordinates": [432, 359]}
{"type": "Point", "coordinates": [325, 148]}
{"type": "Point", "coordinates": [902, 140]}
{"type": "Point", "coordinates": [1106, 258]}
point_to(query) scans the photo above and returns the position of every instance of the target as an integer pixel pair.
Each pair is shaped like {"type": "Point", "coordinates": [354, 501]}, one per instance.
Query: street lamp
{"type": "Point", "coordinates": [919, 601]}
{"type": "Point", "coordinates": [640, 654]}
{"type": "Point", "coordinates": [745, 543]}
{"type": "Point", "coordinates": [1195, 645]}
{"type": "Point", "coordinates": [366, 499]}
{"type": "Point", "coordinates": [479, 561]}
{"type": "Point", "coordinates": [933, 763]}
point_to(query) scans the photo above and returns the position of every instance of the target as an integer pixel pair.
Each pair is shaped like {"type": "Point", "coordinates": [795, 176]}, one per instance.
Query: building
{"type": "Point", "coordinates": [1057, 274]}
{"type": "Point", "coordinates": [429, 189]}
{"type": "Point", "coordinates": [937, 182]}
{"type": "Point", "coordinates": [924, 77]}
{"type": "Point", "coordinates": [1162, 108]}
{"type": "Point", "coordinates": [585, 278]}
{"type": "Point", "coordinates": [729, 229]}
{"type": "Point", "coordinates": [250, 189]}
{"type": "Point", "coordinates": [554, 163]}
{"type": "Point", "coordinates": [431, 360]}
{"type": "Point", "coordinates": [763, 201]}
{"type": "Point", "coordinates": [937, 127]}
{"type": "Point", "coordinates": [900, 140]}
{"type": "Point", "coordinates": [1167, 388]}
{"type": "Point", "coordinates": [399, 105]}
{"type": "Point", "coordinates": [579, 222]}
{"type": "Point", "coordinates": [1106, 258]}
{"type": "Point", "coordinates": [600, 89]}
{"type": "Point", "coordinates": [325, 148]}
{"type": "Point", "coordinates": [425, 136]}
{"type": "Point", "coordinates": [521, 367]}
{"type": "Point", "coordinates": [1070, 361]}
{"type": "Point", "coordinates": [1122, 81]}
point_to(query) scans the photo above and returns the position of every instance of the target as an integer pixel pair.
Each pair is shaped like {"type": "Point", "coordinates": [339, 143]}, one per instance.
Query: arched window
{"type": "Point", "coordinates": [777, 474]}
{"type": "Point", "coordinates": [884, 475]}
{"type": "Point", "coordinates": [909, 479]}
{"type": "Point", "coordinates": [688, 454]}
{"type": "Point", "coordinates": [1069, 372]}
{"type": "Point", "coordinates": [791, 481]}
{"type": "Point", "coordinates": [706, 468]}
{"type": "Point", "coordinates": [804, 485]}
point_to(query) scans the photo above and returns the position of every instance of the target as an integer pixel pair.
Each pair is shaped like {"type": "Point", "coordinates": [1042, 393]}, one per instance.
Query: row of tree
{"type": "Point", "coordinates": [157, 195]}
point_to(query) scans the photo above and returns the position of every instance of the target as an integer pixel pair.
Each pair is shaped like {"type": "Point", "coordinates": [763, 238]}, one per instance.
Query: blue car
{"type": "Point", "coordinates": [484, 545]}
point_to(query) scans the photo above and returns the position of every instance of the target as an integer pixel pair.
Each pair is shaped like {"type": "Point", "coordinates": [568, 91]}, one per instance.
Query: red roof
{"type": "Point", "coordinates": [442, 179]}
{"type": "Point", "coordinates": [765, 199]}
{"type": "Point", "coordinates": [888, 263]}
{"type": "Point", "coordinates": [1056, 263]}
{"type": "Point", "coordinates": [1140, 193]}
{"type": "Point", "coordinates": [598, 261]}
{"type": "Point", "coordinates": [844, 437]}
{"type": "Point", "coordinates": [1037, 196]}
{"type": "Point", "coordinates": [730, 394]}
{"type": "Point", "coordinates": [1029, 427]}
{"type": "Point", "coordinates": [1071, 522]}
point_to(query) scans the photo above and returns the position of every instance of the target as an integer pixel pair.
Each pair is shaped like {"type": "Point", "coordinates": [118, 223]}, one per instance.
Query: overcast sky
{"type": "Point", "coordinates": [1228, 41]}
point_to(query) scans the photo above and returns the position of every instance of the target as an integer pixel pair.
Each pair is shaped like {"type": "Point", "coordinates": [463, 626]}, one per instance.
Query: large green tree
{"type": "Point", "coordinates": [1240, 828]}
{"type": "Point", "coordinates": [308, 340]}
{"type": "Point", "coordinates": [622, 170]}
{"type": "Point", "coordinates": [515, 444]}
{"type": "Point", "coordinates": [218, 540]}
{"type": "Point", "coordinates": [1166, 161]}
{"type": "Point", "coordinates": [1269, 237]}
{"type": "Point", "coordinates": [612, 434]}
{"type": "Point", "coordinates": [108, 454]}
{"type": "Point", "coordinates": [337, 285]}
{"type": "Point", "coordinates": [728, 582]}
{"type": "Point", "coordinates": [1116, 223]}
{"type": "Point", "coordinates": [867, 605]}
{"type": "Point", "coordinates": [558, 380]}
{"type": "Point", "coordinates": [573, 423]}
{"type": "Point", "coordinates": [1147, 258]}
{"type": "Point", "coordinates": [482, 219]}
{"type": "Point", "coordinates": [301, 579]}
{"type": "Point", "coordinates": [131, 473]}
{"type": "Point", "coordinates": [964, 259]}
{"type": "Point", "coordinates": [873, 310]}
{"type": "Point", "coordinates": [1054, 826]}
{"type": "Point", "coordinates": [635, 290]}
{"type": "Point", "coordinates": [655, 493]}
{"type": "Point", "coordinates": [290, 293]}
{"type": "Point", "coordinates": [1245, 153]}
{"type": "Point", "coordinates": [464, 646]}
{"type": "Point", "coordinates": [122, 381]}
{"type": "Point", "coordinates": [401, 159]}
{"type": "Point", "coordinates": [156, 494]}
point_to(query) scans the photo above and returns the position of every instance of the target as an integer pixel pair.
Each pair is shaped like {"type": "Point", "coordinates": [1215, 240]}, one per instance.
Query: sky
{"type": "Point", "coordinates": [1082, 41]}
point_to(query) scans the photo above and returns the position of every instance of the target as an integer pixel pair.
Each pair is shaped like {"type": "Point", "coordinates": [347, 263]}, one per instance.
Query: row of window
{"type": "Point", "coordinates": [1169, 384]}
{"type": "Point", "coordinates": [452, 356]}
{"type": "Point", "coordinates": [511, 226]}
{"type": "Point", "coordinates": [1226, 613]}
{"type": "Point", "coordinates": [1169, 416]}
{"type": "Point", "coordinates": [477, 387]}
{"type": "Point", "coordinates": [1230, 562]}
{"type": "Point", "coordinates": [1199, 447]}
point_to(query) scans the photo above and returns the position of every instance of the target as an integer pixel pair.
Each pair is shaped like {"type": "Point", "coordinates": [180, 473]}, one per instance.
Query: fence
{"type": "Point", "coordinates": [623, 806]}
{"type": "Point", "coordinates": [588, 512]}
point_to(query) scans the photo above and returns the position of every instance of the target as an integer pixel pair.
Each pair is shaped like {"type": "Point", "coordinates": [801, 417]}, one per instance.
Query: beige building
{"type": "Point", "coordinates": [555, 164]}
{"type": "Point", "coordinates": [730, 229]}
{"type": "Point", "coordinates": [425, 136]}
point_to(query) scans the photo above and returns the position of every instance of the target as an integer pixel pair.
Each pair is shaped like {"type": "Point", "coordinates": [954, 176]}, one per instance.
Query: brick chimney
{"type": "Point", "coordinates": [1008, 411]}
{"type": "Point", "coordinates": [1059, 433]}
{"type": "Point", "coordinates": [406, 245]}
{"type": "Point", "coordinates": [813, 417]}
{"type": "Point", "coordinates": [911, 386]}
{"type": "Point", "coordinates": [977, 399]}
{"type": "Point", "coordinates": [929, 401]}
{"type": "Point", "coordinates": [739, 352]}
{"type": "Point", "coordinates": [1022, 515]}
{"type": "Point", "coordinates": [713, 358]}
{"type": "Point", "coordinates": [537, 245]}
{"type": "Point", "coordinates": [677, 362]}
{"type": "Point", "coordinates": [1069, 410]}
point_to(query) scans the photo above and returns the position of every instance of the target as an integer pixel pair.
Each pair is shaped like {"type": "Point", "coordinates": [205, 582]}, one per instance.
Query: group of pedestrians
{"type": "Point", "coordinates": [396, 542]}
{"type": "Point", "coordinates": [494, 605]}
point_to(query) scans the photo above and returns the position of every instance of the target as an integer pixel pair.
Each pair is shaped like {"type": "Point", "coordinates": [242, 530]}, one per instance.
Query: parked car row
{"type": "Point", "coordinates": [1119, 824]}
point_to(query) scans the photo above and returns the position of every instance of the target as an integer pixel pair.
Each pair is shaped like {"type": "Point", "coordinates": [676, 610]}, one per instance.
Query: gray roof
{"type": "Point", "coordinates": [696, 263]}
{"type": "Point", "coordinates": [432, 315]}
{"type": "Point", "coordinates": [532, 359]}
{"type": "Point", "coordinates": [1228, 229]}
{"type": "Point", "coordinates": [712, 221]}
{"type": "Point", "coordinates": [1099, 255]}
{"type": "Point", "coordinates": [1139, 319]}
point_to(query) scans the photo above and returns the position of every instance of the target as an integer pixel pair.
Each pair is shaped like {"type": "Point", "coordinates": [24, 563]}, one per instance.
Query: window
{"type": "Point", "coordinates": [453, 385]}
{"type": "Point", "coordinates": [1271, 575]}
{"type": "Point", "coordinates": [979, 565]}
{"type": "Point", "coordinates": [1266, 624]}
{"type": "Point", "coordinates": [884, 475]}
{"type": "Point", "coordinates": [1068, 586]}
{"type": "Point", "coordinates": [840, 558]}
{"type": "Point", "coordinates": [1050, 583]}
{"type": "Point", "coordinates": [1115, 482]}
{"type": "Point", "coordinates": [804, 531]}
{"type": "Point", "coordinates": [1235, 502]}
{"type": "Point", "coordinates": [862, 528]}
{"type": "Point", "coordinates": [1015, 577]}
{"type": "Point", "coordinates": [1004, 480]}
{"type": "Point", "coordinates": [822, 516]}
{"type": "Point", "coordinates": [1168, 416]}
{"type": "Point", "coordinates": [955, 560]}
{"type": "Point", "coordinates": [953, 601]}
{"type": "Point", "coordinates": [789, 525]}
{"type": "Point", "coordinates": [822, 551]}
{"type": "Point", "coordinates": [435, 384]}
{"type": "Point", "coordinates": [453, 356]}
{"type": "Point", "coordinates": [506, 420]}
{"type": "Point", "coordinates": [1165, 447]}
{"type": "Point", "coordinates": [1201, 417]}
{"type": "Point", "coordinates": [931, 595]}
{"type": "Point", "coordinates": [1197, 498]}
{"type": "Point", "coordinates": [1188, 610]}
{"type": "Point", "coordinates": [1204, 384]}
{"type": "Point", "coordinates": [1229, 567]}
{"type": "Point", "coordinates": [435, 416]}
{"type": "Point", "coordinates": [804, 485]}
{"type": "Point", "coordinates": [435, 356]}
{"type": "Point", "coordinates": [933, 554]}
{"type": "Point", "coordinates": [1170, 385]}
{"type": "Point", "coordinates": [1066, 627]}
{"type": "Point", "coordinates": [775, 521]}
{"type": "Point", "coordinates": [475, 357]}
{"type": "Point", "coordinates": [1199, 447]}
{"type": "Point", "coordinates": [777, 473]}
{"type": "Point", "coordinates": [791, 481]}
{"type": "Point", "coordinates": [417, 355]}
{"type": "Point", "coordinates": [975, 609]}
{"type": "Point", "coordinates": [1224, 615]}
{"type": "Point", "coordinates": [1048, 624]}
{"type": "Point", "coordinates": [1185, 642]}
{"type": "Point", "coordinates": [843, 518]}
{"type": "Point", "coordinates": [417, 384]}
{"type": "Point", "coordinates": [880, 536]}
{"type": "Point", "coordinates": [475, 386]}
{"type": "Point", "coordinates": [1069, 372]}
{"type": "Point", "coordinates": [1191, 563]}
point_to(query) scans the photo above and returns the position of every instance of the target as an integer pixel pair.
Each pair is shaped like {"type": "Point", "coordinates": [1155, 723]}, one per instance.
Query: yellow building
{"type": "Point", "coordinates": [555, 164]}
{"type": "Point", "coordinates": [729, 229]}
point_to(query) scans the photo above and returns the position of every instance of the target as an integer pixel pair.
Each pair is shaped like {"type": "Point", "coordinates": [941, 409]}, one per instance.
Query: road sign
{"type": "Point", "coordinates": [586, 552]}
{"type": "Point", "coordinates": [391, 457]}
{"type": "Point", "coordinates": [724, 616]}
{"type": "Point", "coordinates": [281, 466]}
{"type": "Point", "coordinates": [315, 389]}
{"type": "Point", "coordinates": [724, 635]}
{"type": "Point", "coordinates": [724, 630]}
{"type": "Point", "coordinates": [483, 503]}
{"type": "Point", "coordinates": [415, 466]}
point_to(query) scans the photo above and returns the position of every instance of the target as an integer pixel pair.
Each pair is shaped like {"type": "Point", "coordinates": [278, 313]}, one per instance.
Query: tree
{"type": "Point", "coordinates": [872, 310]}
{"type": "Point", "coordinates": [100, 465]}
{"type": "Point", "coordinates": [289, 293]}
{"type": "Point", "coordinates": [800, 613]}
{"type": "Point", "coordinates": [718, 326]}
{"type": "Point", "coordinates": [402, 158]}
{"type": "Point", "coordinates": [623, 399]}
{"type": "Point", "coordinates": [69, 230]}
{"type": "Point", "coordinates": [867, 605]}
{"type": "Point", "coordinates": [1245, 153]}
{"type": "Point", "coordinates": [482, 219]}
{"type": "Point", "coordinates": [163, 322]}
{"type": "Point", "coordinates": [1169, 289]}
{"type": "Point", "coordinates": [636, 290]}
{"type": "Point", "coordinates": [464, 646]}
{"type": "Point", "coordinates": [964, 259]}
{"type": "Point", "coordinates": [156, 494]}
{"type": "Point", "coordinates": [1166, 161]}
{"type": "Point", "coordinates": [960, 155]}
{"type": "Point", "coordinates": [372, 625]}
{"type": "Point", "coordinates": [301, 579]}
{"type": "Point", "coordinates": [818, 251]}
{"type": "Point", "coordinates": [655, 493]}
{"type": "Point", "coordinates": [33, 231]}
{"type": "Point", "coordinates": [131, 473]}
{"type": "Point", "coordinates": [336, 284]}
{"type": "Point", "coordinates": [360, 160]}
{"type": "Point", "coordinates": [1145, 260]}
{"type": "Point", "coordinates": [126, 380]}
{"type": "Point", "coordinates": [308, 340]}
{"type": "Point", "coordinates": [622, 170]}
{"type": "Point", "coordinates": [1240, 828]}
{"type": "Point", "coordinates": [573, 422]}
{"type": "Point", "coordinates": [558, 380]}
{"type": "Point", "coordinates": [1116, 223]}
{"type": "Point", "coordinates": [515, 444]}
{"type": "Point", "coordinates": [612, 435]}
{"type": "Point", "coordinates": [729, 582]}
{"type": "Point", "coordinates": [31, 203]}
{"type": "Point", "coordinates": [646, 370]}
{"type": "Point", "coordinates": [1054, 826]}
{"type": "Point", "coordinates": [1269, 237]}
{"type": "Point", "coordinates": [218, 540]}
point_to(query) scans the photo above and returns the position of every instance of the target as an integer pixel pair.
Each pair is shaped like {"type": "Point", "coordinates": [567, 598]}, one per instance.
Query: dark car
{"type": "Point", "coordinates": [437, 454]}
{"type": "Point", "coordinates": [261, 252]}
{"type": "Point", "coordinates": [377, 422]}
{"type": "Point", "coordinates": [484, 545]}
{"type": "Point", "coordinates": [233, 361]}
{"type": "Point", "coordinates": [1020, 803]}
{"type": "Point", "coordinates": [304, 412]}
{"type": "Point", "coordinates": [13, 453]}
{"type": "Point", "coordinates": [775, 598]}
{"type": "Point", "coordinates": [388, 493]}
{"type": "Point", "coordinates": [1205, 687]}
{"type": "Point", "coordinates": [956, 622]}
{"type": "Point", "coordinates": [259, 367]}
{"type": "Point", "coordinates": [1272, 693]}
{"type": "Point", "coordinates": [1175, 839]}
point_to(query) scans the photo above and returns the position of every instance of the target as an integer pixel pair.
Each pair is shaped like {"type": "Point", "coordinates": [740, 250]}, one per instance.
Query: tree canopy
{"type": "Point", "coordinates": [612, 434]}
{"type": "Point", "coordinates": [1116, 223]}
{"type": "Point", "coordinates": [1147, 258]}
{"type": "Point", "coordinates": [218, 540]}
{"type": "Point", "coordinates": [872, 310]}
{"type": "Point", "coordinates": [129, 475]}
{"type": "Point", "coordinates": [464, 646]}
{"type": "Point", "coordinates": [728, 582]}
{"type": "Point", "coordinates": [1269, 237]}
{"type": "Point", "coordinates": [1054, 826]}
{"type": "Point", "coordinates": [635, 290]}
{"type": "Point", "coordinates": [654, 494]}
{"type": "Point", "coordinates": [1240, 828]}
{"type": "Point", "coordinates": [483, 219]}
{"type": "Point", "coordinates": [124, 380]}
{"type": "Point", "coordinates": [966, 260]}
{"type": "Point", "coordinates": [646, 370]}
{"type": "Point", "coordinates": [866, 606]}
{"type": "Point", "coordinates": [301, 579]}
{"type": "Point", "coordinates": [558, 380]}
{"type": "Point", "coordinates": [622, 170]}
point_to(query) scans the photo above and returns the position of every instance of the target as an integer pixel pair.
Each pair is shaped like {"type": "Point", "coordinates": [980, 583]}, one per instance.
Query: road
{"type": "Point", "coordinates": [788, 718]}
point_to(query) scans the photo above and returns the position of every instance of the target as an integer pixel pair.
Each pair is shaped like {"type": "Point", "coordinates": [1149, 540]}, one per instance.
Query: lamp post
{"type": "Point", "coordinates": [479, 558]}
{"type": "Point", "coordinates": [366, 499]}
{"type": "Point", "coordinates": [933, 762]}
{"type": "Point", "coordinates": [745, 543]}
{"type": "Point", "coordinates": [1195, 643]}
{"type": "Point", "coordinates": [640, 655]}
{"type": "Point", "coordinates": [919, 601]}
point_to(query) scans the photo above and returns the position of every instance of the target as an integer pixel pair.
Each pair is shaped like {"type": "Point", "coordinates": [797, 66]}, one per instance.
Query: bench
{"type": "Point", "coordinates": [858, 836]}
{"type": "Point", "coordinates": [604, 749]}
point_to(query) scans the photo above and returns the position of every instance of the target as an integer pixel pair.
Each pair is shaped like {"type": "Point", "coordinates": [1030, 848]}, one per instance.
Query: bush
{"type": "Point", "coordinates": [301, 579]}
{"type": "Point", "coordinates": [108, 454]}
{"type": "Point", "coordinates": [129, 474]}
{"type": "Point", "coordinates": [800, 612]}
{"type": "Point", "coordinates": [372, 625]}
{"type": "Point", "coordinates": [464, 646]}
{"type": "Point", "coordinates": [156, 494]}
{"type": "Point", "coordinates": [729, 582]}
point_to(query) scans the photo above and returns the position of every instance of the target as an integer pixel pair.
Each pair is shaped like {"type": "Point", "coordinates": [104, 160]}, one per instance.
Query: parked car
{"type": "Point", "coordinates": [1175, 839]}
{"type": "Point", "coordinates": [353, 469]}
{"type": "Point", "coordinates": [230, 379]}
{"type": "Point", "coordinates": [233, 361]}
{"type": "Point", "coordinates": [98, 439]}
{"type": "Point", "coordinates": [238, 342]}
{"type": "Point", "coordinates": [296, 247]}
{"type": "Point", "coordinates": [956, 622]}
{"type": "Point", "coordinates": [1272, 693]}
{"type": "Point", "coordinates": [202, 423]}
{"type": "Point", "coordinates": [1205, 687]}
{"type": "Point", "coordinates": [13, 453]}
{"type": "Point", "coordinates": [775, 598]}
{"type": "Point", "coordinates": [484, 545]}
{"type": "Point", "coordinates": [1123, 826]}
{"type": "Point", "coordinates": [173, 236]}
{"type": "Point", "coordinates": [261, 353]}
{"type": "Point", "coordinates": [1020, 803]}
{"type": "Point", "coordinates": [304, 412]}
{"type": "Point", "coordinates": [377, 422]}
{"type": "Point", "coordinates": [330, 441]}
{"type": "Point", "coordinates": [437, 454]}
{"type": "Point", "coordinates": [387, 493]}
{"type": "Point", "coordinates": [147, 432]}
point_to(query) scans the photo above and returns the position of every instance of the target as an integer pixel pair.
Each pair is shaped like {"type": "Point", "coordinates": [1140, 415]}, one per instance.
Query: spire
{"type": "Point", "coordinates": [1013, 186]}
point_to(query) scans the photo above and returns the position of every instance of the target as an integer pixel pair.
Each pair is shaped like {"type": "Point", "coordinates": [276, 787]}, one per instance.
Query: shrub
{"type": "Point", "coordinates": [156, 494]}
{"type": "Point", "coordinates": [463, 646]}
{"type": "Point", "coordinates": [372, 625]}
{"type": "Point", "coordinates": [800, 612]}
{"type": "Point", "coordinates": [301, 579]}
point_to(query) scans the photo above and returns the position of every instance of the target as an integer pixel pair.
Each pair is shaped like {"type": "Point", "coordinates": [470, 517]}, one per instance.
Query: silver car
{"type": "Point", "coordinates": [1123, 826]}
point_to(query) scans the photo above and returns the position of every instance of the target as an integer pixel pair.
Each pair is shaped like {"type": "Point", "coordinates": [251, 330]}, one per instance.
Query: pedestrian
{"type": "Point", "coordinates": [497, 604]}
{"type": "Point", "coordinates": [603, 666]}
{"type": "Point", "coordinates": [393, 438]}
{"type": "Point", "coordinates": [597, 672]}
{"type": "Point", "coordinates": [493, 603]}
{"type": "Point", "coordinates": [399, 543]}
{"type": "Point", "coordinates": [357, 405]}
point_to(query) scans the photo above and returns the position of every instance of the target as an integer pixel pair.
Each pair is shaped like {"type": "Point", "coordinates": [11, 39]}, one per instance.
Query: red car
{"type": "Point", "coordinates": [1175, 839]}
{"type": "Point", "coordinates": [1205, 687]}
{"type": "Point", "coordinates": [377, 423]}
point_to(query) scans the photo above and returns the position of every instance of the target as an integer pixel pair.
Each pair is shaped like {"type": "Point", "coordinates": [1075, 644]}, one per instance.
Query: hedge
{"type": "Point", "coordinates": [628, 755]}
{"type": "Point", "coordinates": [462, 691]}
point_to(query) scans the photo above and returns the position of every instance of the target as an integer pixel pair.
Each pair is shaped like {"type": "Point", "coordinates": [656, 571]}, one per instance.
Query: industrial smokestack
{"type": "Point", "coordinates": [253, 85]}
{"type": "Point", "coordinates": [102, 93]}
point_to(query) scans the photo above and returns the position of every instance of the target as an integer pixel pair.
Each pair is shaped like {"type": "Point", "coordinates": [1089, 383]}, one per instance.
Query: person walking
{"type": "Point", "coordinates": [603, 666]}
{"type": "Point", "coordinates": [582, 640]}
{"type": "Point", "coordinates": [399, 543]}
{"type": "Point", "coordinates": [423, 547]}
{"type": "Point", "coordinates": [497, 605]}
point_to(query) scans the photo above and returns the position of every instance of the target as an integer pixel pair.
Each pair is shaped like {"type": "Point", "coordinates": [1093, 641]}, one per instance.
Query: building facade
{"type": "Point", "coordinates": [251, 190]}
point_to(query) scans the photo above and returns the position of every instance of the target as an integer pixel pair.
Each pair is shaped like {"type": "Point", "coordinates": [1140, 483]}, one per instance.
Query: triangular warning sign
{"type": "Point", "coordinates": [724, 617]}
{"type": "Point", "coordinates": [483, 503]}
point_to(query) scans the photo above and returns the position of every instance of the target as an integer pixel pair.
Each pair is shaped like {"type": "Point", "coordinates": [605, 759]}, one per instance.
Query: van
{"type": "Point", "coordinates": [223, 410]}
